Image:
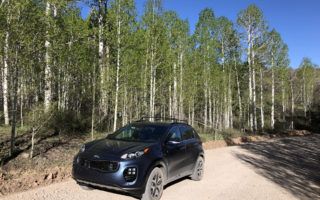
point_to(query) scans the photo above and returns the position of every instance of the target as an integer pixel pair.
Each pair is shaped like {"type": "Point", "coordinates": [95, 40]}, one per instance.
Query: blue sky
{"type": "Point", "coordinates": [298, 21]}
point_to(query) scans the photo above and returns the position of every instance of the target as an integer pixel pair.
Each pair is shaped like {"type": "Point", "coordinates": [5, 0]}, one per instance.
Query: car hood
{"type": "Point", "coordinates": [115, 148]}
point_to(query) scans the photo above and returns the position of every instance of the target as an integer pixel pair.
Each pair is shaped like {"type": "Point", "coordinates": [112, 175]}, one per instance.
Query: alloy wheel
{"type": "Point", "coordinates": [156, 186]}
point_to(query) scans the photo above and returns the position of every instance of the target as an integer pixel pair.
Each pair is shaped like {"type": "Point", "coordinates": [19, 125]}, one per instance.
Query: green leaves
{"type": "Point", "coordinates": [251, 18]}
{"type": "Point", "coordinates": [160, 61]}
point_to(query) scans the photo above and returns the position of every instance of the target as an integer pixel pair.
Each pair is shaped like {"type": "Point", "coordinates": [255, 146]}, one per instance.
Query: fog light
{"type": "Point", "coordinates": [130, 174]}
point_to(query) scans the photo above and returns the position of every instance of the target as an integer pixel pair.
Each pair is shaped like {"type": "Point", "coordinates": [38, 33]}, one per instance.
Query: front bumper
{"type": "Point", "coordinates": [113, 180]}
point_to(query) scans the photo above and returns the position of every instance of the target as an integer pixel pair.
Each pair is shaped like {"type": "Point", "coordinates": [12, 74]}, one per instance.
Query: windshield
{"type": "Point", "coordinates": [139, 133]}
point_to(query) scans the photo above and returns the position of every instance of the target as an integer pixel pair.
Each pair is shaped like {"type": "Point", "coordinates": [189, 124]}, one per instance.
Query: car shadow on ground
{"type": "Point", "coordinates": [292, 163]}
{"type": "Point", "coordinates": [118, 192]}
{"type": "Point", "coordinates": [138, 197]}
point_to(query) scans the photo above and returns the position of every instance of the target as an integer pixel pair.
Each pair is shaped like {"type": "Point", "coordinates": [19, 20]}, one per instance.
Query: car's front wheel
{"type": "Point", "coordinates": [154, 186]}
{"type": "Point", "coordinates": [198, 170]}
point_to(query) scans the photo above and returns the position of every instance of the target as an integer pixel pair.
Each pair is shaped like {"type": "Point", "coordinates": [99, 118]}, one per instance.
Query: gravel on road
{"type": "Point", "coordinates": [227, 176]}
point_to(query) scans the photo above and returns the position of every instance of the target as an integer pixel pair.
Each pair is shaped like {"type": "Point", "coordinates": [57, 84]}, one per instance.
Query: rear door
{"type": "Point", "coordinates": [192, 143]}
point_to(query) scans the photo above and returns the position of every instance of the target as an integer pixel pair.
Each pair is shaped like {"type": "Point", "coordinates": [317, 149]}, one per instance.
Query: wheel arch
{"type": "Point", "coordinates": [201, 154]}
{"type": "Point", "coordinates": [157, 163]}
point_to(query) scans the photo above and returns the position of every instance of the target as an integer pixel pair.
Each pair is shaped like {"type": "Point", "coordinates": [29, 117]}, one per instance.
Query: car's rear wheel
{"type": "Point", "coordinates": [154, 187]}
{"type": "Point", "coordinates": [198, 170]}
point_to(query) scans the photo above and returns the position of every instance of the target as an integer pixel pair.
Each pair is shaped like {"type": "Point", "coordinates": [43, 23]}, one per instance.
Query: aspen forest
{"type": "Point", "coordinates": [68, 74]}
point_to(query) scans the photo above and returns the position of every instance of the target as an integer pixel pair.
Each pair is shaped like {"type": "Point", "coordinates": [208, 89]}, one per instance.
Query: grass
{"type": "Point", "coordinates": [209, 135]}
{"type": "Point", "coordinates": [5, 131]}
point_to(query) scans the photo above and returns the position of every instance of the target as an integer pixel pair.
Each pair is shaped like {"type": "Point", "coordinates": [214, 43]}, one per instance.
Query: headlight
{"type": "Point", "coordinates": [83, 148]}
{"type": "Point", "coordinates": [134, 155]}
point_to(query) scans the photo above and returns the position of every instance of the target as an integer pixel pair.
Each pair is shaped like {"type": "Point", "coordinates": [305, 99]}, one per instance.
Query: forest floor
{"type": "Point", "coordinates": [51, 162]}
{"type": "Point", "coordinates": [53, 155]}
{"type": "Point", "coordinates": [282, 168]}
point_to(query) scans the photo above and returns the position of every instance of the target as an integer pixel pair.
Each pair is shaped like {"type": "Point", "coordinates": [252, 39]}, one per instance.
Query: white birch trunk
{"type": "Point", "coordinates": [250, 120]}
{"type": "Point", "coordinates": [210, 109]}
{"type": "Point", "coordinates": [2, 2]}
{"type": "Point", "coordinates": [124, 107]}
{"type": "Point", "coordinates": [101, 50]}
{"type": "Point", "coordinates": [152, 71]}
{"type": "Point", "coordinates": [261, 100]}
{"type": "Point", "coordinates": [47, 78]}
{"type": "Point", "coordinates": [304, 93]}
{"type": "Point", "coordinates": [170, 102]}
{"type": "Point", "coordinates": [225, 103]}
{"type": "Point", "coordinates": [214, 114]}
{"type": "Point", "coordinates": [154, 91]}
{"type": "Point", "coordinates": [283, 100]}
{"type": "Point", "coordinates": [55, 10]}
{"type": "Point", "coordinates": [272, 96]}
{"type": "Point", "coordinates": [175, 100]}
{"type": "Point", "coordinates": [5, 80]}
{"type": "Point", "coordinates": [220, 115]}
{"type": "Point", "coordinates": [254, 105]}
{"type": "Point", "coordinates": [22, 90]}
{"type": "Point", "coordinates": [192, 114]}
{"type": "Point", "coordinates": [239, 94]}
{"type": "Point", "coordinates": [118, 69]}
{"type": "Point", "coordinates": [32, 142]}
{"type": "Point", "coordinates": [93, 101]}
{"type": "Point", "coordinates": [216, 111]}
{"type": "Point", "coordinates": [292, 104]}
{"type": "Point", "coordinates": [181, 112]}
{"type": "Point", "coordinates": [65, 89]}
{"type": "Point", "coordinates": [206, 85]}
{"type": "Point", "coordinates": [206, 105]}
{"type": "Point", "coordinates": [151, 90]}
{"type": "Point", "coordinates": [151, 105]}
{"type": "Point", "coordinates": [145, 87]}
{"type": "Point", "coordinates": [230, 102]}
{"type": "Point", "coordinates": [189, 113]}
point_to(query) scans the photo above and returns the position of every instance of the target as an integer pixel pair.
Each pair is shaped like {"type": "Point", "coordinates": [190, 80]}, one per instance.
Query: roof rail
{"type": "Point", "coordinates": [174, 120]}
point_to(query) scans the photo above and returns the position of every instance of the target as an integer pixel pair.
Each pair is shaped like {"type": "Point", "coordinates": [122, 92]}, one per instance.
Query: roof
{"type": "Point", "coordinates": [158, 123]}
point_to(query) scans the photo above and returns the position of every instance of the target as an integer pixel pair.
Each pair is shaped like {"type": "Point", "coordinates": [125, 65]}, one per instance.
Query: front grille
{"type": "Point", "coordinates": [101, 165]}
{"type": "Point", "coordinates": [107, 166]}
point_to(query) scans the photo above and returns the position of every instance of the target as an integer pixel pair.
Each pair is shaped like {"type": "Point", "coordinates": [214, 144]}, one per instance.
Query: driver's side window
{"type": "Point", "coordinates": [174, 135]}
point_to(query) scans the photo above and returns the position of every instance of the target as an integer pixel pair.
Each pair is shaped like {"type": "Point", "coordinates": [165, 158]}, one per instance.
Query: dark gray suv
{"type": "Point", "coordinates": [140, 158]}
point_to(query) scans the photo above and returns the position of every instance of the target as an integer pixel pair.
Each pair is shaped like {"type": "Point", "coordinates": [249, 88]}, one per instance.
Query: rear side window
{"type": "Point", "coordinates": [186, 132]}
{"type": "Point", "coordinates": [196, 134]}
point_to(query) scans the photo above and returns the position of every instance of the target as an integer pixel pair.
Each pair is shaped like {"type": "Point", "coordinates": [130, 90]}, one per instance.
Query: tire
{"type": "Point", "coordinates": [198, 170]}
{"type": "Point", "coordinates": [154, 186]}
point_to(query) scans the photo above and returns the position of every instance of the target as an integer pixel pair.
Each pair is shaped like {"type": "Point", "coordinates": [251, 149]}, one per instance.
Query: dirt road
{"type": "Point", "coordinates": [280, 169]}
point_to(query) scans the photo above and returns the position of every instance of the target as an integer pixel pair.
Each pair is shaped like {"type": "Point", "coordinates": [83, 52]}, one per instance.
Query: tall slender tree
{"type": "Point", "coordinates": [205, 38]}
{"type": "Point", "coordinates": [252, 21]}
{"type": "Point", "coordinates": [152, 22]}
{"type": "Point", "coordinates": [279, 57]}
{"type": "Point", "coordinates": [6, 4]}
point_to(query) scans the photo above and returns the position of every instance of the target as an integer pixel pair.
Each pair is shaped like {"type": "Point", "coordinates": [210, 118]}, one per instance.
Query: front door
{"type": "Point", "coordinates": [175, 152]}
